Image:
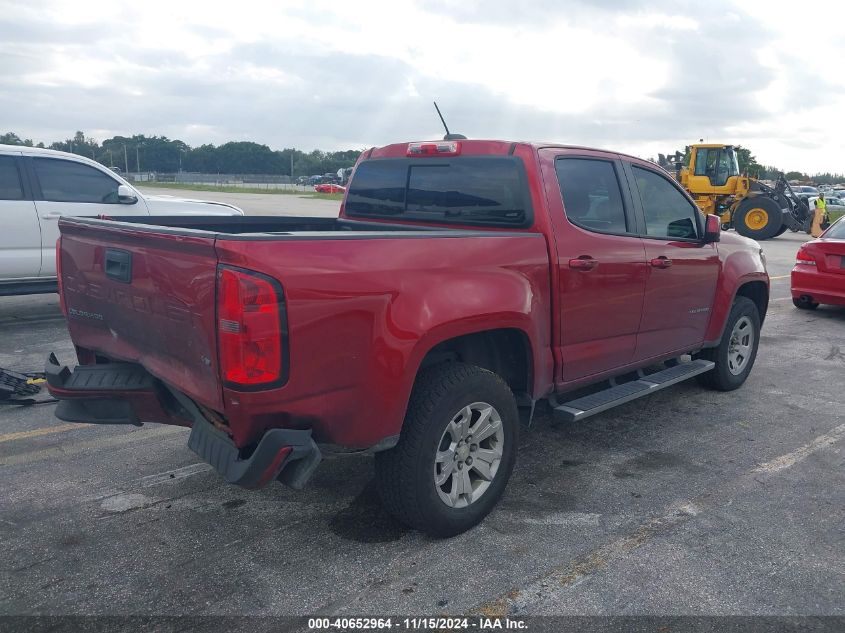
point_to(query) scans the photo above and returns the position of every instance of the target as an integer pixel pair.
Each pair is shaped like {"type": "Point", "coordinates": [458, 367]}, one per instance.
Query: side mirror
{"type": "Point", "coordinates": [712, 228]}
{"type": "Point", "coordinates": [126, 195]}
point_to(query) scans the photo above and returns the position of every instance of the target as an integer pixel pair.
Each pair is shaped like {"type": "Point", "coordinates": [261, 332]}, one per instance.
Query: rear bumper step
{"type": "Point", "coordinates": [289, 455]}
{"type": "Point", "coordinates": [125, 393]}
{"type": "Point", "coordinates": [113, 393]}
{"type": "Point", "coordinates": [584, 407]}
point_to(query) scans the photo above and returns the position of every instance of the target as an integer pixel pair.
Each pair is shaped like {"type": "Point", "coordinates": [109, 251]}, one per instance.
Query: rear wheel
{"type": "Point", "coordinates": [805, 303]}
{"type": "Point", "coordinates": [737, 351]}
{"type": "Point", "coordinates": [759, 218]}
{"type": "Point", "coordinates": [456, 451]}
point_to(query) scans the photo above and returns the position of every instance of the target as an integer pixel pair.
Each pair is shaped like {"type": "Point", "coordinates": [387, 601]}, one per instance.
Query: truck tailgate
{"type": "Point", "coordinates": [148, 296]}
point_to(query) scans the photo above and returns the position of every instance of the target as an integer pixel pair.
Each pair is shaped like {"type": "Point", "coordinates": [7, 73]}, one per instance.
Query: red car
{"type": "Point", "coordinates": [819, 272]}
{"type": "Point", "coordinates": [329, 188]}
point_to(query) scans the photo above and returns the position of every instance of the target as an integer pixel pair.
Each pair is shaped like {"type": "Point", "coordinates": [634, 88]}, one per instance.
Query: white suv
{"type": "Point", "coordinates": [37, 186]}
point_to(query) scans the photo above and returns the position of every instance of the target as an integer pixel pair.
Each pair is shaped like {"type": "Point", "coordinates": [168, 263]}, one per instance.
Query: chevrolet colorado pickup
{"type": "Point", "coordinates": [463, 282]}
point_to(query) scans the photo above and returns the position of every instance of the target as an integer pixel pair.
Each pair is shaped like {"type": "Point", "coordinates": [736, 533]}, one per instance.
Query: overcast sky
{"type": "Point", "coordinates": [640, 77]}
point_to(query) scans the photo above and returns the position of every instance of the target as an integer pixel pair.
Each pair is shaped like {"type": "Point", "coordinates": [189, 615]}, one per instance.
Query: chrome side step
{"type": "Point", "coordinates": [584, 407]}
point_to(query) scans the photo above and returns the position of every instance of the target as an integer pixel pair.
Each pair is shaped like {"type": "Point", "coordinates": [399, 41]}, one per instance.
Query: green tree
{"type": "Point", "coordinates": [10, 138]}
{"type": "Point", "coordinates": [747, 162]}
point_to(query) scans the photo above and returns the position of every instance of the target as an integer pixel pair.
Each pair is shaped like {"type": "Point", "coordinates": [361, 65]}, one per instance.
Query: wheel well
{"type": "Point", "coordinates": [505, 352]}
{"type": "Point", "coordinates": [758, 293]}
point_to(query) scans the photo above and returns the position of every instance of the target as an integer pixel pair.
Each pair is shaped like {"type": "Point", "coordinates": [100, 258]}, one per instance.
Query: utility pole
{"type": "Point", "coordinates": [292, 152]}
{"type": "Point", "coordinates": [137, 160]}
{"type": "Point", "coordinates": [125, 159]}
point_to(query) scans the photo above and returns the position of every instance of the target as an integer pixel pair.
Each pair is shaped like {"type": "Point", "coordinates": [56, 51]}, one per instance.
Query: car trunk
{"type": "Point", "coordinates": [830, 254]}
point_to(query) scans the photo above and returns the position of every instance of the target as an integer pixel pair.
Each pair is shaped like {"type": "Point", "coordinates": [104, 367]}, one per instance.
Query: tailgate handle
{"type": "Point", "coordinates": [119, 265]}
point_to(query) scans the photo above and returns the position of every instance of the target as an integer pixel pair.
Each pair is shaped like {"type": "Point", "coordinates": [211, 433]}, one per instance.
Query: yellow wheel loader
{"type": "Point", "coordinates": [754, 209]}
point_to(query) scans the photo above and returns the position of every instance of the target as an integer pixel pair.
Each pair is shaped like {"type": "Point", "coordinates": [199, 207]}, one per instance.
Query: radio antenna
{"type": "Point", "coordinates": [449, 136]}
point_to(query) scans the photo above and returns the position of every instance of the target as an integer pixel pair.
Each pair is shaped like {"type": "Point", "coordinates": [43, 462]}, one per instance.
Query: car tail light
{"type": "Point", "coordinates": [804, 258]}
{"type": "Point", "coordinates": [251, 329]}
{"type": "Point", "coordinates": [62, 304]}
{"type": "Point", "coordinates": [439, 148]}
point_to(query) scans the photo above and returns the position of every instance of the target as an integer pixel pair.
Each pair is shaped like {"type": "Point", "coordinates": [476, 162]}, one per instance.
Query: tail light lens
{"type": "Point", "coordinates": [804, 258]}
{"type": "Point", "coordinates": [251, 330]}
{"type": "Point", "coordinates": [62, 304]}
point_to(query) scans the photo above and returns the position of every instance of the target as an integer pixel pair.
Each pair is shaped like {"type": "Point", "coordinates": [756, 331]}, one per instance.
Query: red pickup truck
{"type": "Point", "coordinates": [463, 282]}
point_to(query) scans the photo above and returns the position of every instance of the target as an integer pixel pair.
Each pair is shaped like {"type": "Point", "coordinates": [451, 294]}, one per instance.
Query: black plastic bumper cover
{"type": "Point", "coordinates": [125, 393]}
{"type": "Point", "coordinates": [288, 455]}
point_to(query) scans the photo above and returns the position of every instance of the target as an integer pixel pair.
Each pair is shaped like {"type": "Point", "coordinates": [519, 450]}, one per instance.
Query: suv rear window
{"type": "Point", "coordinates": [469, 190]}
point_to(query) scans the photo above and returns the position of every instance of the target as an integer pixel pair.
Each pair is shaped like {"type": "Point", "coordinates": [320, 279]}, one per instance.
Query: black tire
{"type": "Point", "coordinates": [782, 230]}
{"type": "Point", "coordinates": [805, 303]}
{"type": "Point", "coordinates": [720, 377]}
{"type": "Point", "coordinates": [745, 213]}
{"type": "Point", "coordinates": [405, 474]}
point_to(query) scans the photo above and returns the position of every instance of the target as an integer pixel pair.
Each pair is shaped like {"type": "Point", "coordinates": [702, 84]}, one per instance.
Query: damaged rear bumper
{"type": "Point", "coordinates": [125, 393]}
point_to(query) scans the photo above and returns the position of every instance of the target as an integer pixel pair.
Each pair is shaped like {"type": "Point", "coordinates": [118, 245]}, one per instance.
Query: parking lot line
{"type": "Point", "coordinates": [801, 453]}
{"type": "Point", "coordinates": [95, 444]}
{"type": "Point", "coordinates": [61, 428]}
{"type": "Point", "coordinates": [550, 586]}
{"type": "Point", "coordinates": [779, 277]}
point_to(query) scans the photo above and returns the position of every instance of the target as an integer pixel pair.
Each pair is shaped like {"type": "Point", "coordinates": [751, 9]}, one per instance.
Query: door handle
{"type": "Point", "coordinates": [51, 215]}
{"type": "Point", "coordinates": [661, 262]}
{"type": "Point", "coordinates": [585, 262]}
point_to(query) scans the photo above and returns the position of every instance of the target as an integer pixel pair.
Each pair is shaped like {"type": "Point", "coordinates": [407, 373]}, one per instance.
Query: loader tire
{"type": "Point", "coordinates": [759, 218]}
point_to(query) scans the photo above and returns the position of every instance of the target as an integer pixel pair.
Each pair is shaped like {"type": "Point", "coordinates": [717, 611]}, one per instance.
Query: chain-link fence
{"type": "Point", "coordinates": [247, 181]}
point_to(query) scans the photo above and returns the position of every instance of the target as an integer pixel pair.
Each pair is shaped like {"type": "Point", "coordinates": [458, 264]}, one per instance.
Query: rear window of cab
{"type": "Point", "coordinates": [466, 190]}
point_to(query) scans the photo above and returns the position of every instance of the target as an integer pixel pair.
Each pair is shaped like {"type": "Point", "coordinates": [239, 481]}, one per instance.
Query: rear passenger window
{"type": "Point", "coordinates": [69, 181]}
{"type": "Point", "coordinates": [469, 190]}
{"type": "Point", "coordinates": [10, 180]}
{"type": "Point", "coordinates": [667, 211]}
{"type": "Point", "coordinates": [592, 198]}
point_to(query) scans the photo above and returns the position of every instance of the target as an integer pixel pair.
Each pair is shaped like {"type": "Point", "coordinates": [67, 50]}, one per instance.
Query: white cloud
{"type": "Point", "coordinates": [637, 76]}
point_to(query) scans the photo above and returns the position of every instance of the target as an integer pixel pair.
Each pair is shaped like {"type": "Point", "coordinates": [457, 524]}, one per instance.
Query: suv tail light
{"type": "Point", "coordinates": [251, 329]}
{"type": "Point", "coordinates": [62, 304]}
{"type": "Point", "coordinates": [439, 148]}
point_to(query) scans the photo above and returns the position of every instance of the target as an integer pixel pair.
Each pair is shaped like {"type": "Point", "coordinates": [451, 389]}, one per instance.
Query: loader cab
{"type": "Point", "coordinates": [713, 167]}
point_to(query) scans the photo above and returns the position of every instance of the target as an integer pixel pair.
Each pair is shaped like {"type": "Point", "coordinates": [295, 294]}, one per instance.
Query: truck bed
{"type": "Point", "coordinates": [361, 303]}
{"type": "Point", "coordinates": [254, 226]}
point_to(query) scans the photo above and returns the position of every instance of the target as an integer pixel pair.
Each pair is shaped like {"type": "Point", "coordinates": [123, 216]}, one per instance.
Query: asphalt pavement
{"type": "Point", "coordinates": [686, 502]}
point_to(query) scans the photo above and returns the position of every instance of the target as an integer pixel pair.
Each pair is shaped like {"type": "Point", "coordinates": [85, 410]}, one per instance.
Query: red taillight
{"type": "Point", "coordinates": [440, 148]}
{"type": "Point", "coordinates": [250, 328]}
{"type": "Point", "coordinates": [804, 258]}
{"type": "Point", "coordinates": [59, 276]}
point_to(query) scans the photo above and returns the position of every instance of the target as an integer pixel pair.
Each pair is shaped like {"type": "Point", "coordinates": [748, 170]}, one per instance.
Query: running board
{"type": "Point", "coordinates": [584, 407]}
